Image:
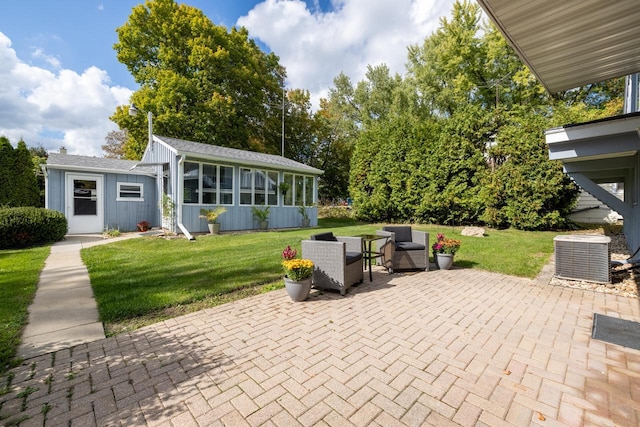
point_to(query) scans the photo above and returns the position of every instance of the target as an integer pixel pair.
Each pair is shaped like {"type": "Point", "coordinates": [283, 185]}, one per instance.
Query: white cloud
{"type": "Point", "coordinates": [51, 60]}
{"type": "Point", "coordinates": [56, 108]}
{"type": "Point", "coordinates": [316, 46]}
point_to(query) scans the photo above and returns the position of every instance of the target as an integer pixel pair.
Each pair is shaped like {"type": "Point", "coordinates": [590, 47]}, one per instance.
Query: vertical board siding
{"type": "Point", "coordinates": [239, 218]}
{"type": "Point", "coordinates": [56, 190]}
{"type": "Point", "coordinates": [125, 215]}
{"type": "Point", "coordinates": [121, 215]}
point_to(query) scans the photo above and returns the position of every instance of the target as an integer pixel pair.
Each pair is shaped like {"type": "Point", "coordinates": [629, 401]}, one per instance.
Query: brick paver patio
{"type": "Point", "coordinates": [458, 347]}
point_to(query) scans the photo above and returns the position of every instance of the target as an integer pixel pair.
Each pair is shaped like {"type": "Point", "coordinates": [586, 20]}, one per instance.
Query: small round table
{"type": "Point", "coordinates": [368, 253]}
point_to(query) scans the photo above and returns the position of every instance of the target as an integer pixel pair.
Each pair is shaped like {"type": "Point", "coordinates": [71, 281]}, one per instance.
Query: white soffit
{"type": "Point", "coordinates": [596, 129]}
{"type": "Point", "coordinates": [571, 43]}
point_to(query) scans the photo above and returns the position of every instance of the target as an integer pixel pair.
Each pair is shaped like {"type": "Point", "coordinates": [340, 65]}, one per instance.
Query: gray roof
{"type": "Point", "coordinates": [215, 152]}
{"type": "Point", "coordinates": [97, 164]}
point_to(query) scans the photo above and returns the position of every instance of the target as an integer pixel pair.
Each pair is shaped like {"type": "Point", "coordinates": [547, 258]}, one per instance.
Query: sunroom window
{"type": "Point", "coordinates": [258, 187]}
{"type": "Point", "coordinates": [301, 190]}
{"type": "Point", "coordinates": [208, 184]}
{"type": "Point", "coordinates": [191, 182]}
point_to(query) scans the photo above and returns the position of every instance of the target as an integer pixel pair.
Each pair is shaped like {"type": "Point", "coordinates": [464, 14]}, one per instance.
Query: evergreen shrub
{"type": "Point", "coordinates": [28, 226]}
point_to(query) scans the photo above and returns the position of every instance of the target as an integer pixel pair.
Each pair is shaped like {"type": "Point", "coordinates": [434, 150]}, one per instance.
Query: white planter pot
{"type": "Point", "coordinates": [444, 261]}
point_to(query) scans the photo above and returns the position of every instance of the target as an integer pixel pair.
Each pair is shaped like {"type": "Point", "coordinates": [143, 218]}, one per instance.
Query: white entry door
{"type": "Point", "coordinates": [85, 205]}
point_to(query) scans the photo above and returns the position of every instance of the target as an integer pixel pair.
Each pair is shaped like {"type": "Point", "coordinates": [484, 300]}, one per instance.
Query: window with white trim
{"type": "Point", "coordinates": [308, 190]}
{"type": "Point", "coordinates": [300, 192]}
{"type": "Point", "coordinates": [246, 186]}
{"type": "Point", "coordinates": [130, 192]}
{"type": "Point", "coordinates": [258, 187]}
{"type": "Point", "coordinates": [288, 196]}
{"type": "Point", "coordinates": [207, 184]}
{"type": "Point", "coordinates": [191, 178]}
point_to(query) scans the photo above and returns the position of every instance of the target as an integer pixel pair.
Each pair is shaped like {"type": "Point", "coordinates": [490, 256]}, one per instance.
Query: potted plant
{"type": "Point", "coordinates": [305, 215]}
{"type": "Point", "coordinates": [262, 216]}
{"type": "Point", "coordinates": [284, 187]}
{"type": "Point", "coordinates": [297, 275]}
{"type": "Point", "coordinates": [144, 226]}
{"type": "Point", "coordinates": [443, 251]}
{"type": "Point", "coordinates": [211, 215]}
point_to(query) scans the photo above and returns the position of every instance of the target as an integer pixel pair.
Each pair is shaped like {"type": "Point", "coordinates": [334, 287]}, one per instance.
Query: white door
{"type": "Point", "coordinates": [85, 205]}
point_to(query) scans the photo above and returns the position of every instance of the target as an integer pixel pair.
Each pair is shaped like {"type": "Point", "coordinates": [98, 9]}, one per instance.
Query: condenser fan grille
{"type": "Point", "coordinates": [583, 257]}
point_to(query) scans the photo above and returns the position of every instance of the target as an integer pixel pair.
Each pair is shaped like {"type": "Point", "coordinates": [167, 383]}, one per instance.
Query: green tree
{"type": "Point", "coordinates": [27, 191]}
{"type": "Point", "coordinates": [39, 156]}
{"type": "Point", "coordinates": [18, 185]}
{"type": "Point", "coordinates": [7, 170]}
{"type": "Point", "coordinates": [338, 125]}
{"type": "Point", "coordinates": [454, 169]}
{"type": "Point", "coordinates": [300, 127]}
{"type": "Point", "coordinates": [200, 81]}
{"type": "Point", "coordinates": [526, 190]}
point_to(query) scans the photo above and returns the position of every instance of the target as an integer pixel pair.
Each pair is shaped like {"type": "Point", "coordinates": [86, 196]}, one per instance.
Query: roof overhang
{"type": "Point", "coordinates": [571, 43]}
{"type": "Point", "coordinates": [613, 137]}
{"type": "Point", "coordinates": [72, 168]}
{"type": "Point", "coordinates": [251, 163]}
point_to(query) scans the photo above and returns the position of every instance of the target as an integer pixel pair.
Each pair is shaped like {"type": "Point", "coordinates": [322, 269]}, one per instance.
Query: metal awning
{"type": "Point", "coordinates": [571, 43]}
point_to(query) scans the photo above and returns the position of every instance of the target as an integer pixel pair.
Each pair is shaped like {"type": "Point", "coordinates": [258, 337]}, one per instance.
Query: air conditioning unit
{"type": "Point", "coordinates": [583, 257]}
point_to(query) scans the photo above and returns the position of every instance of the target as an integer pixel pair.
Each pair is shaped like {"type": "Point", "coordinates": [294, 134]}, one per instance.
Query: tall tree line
{"type": "Point", "coordinates": [460, 138]}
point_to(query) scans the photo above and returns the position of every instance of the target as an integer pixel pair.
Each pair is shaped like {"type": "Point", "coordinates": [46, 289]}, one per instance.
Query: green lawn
{"type": "Point", "coordinates": [144, 280]}
{"type": "Point", "coordinates": [19, 272]}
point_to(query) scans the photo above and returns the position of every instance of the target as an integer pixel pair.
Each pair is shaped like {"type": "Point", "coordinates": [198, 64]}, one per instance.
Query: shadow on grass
{"type": "Point", "coordinates": [464, 264]}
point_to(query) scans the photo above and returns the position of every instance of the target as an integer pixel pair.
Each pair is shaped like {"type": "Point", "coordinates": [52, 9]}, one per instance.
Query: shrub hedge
{"type": "Point", "coordinates": [29, 226]}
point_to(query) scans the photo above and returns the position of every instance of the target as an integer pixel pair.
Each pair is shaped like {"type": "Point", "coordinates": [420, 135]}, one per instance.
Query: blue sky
{"type": "Point", "coordinates": [60, 79]}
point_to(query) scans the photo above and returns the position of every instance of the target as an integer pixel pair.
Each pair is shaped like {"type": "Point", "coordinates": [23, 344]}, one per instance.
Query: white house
{"type": "Point", "coordinates": [98, 193]}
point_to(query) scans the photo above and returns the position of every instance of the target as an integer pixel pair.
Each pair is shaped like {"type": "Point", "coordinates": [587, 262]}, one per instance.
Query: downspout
{"type": "Point", "coordinates": [178, 193]}
{"type": "Point", "coordinates": [46, 185]}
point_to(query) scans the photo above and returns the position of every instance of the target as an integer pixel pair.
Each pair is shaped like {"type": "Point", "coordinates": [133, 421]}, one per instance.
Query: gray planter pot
{"type": "Point", "coordinates": [298, 291]}
{"type": "Point", "coordinates": [444, 261]}
{"type": "Point", "coordinates": [263, 225]}
{"type": "Point", "coordinates": [214, 228]}
{"type": "Point", "coordinates": [305, 223]}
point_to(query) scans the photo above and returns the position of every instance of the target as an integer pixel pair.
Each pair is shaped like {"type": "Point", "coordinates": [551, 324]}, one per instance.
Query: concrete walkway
{"type": "Point", "coordinates": [443, 348]}
{"type": "Point", "coordinates": [64, 313]}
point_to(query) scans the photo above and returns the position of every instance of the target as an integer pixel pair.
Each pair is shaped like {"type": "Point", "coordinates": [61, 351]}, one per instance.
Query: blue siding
{"type": "Point", "coordinates": [55, 190]}
{"type": "Point", "coordinates": [117, 214]}
{"type": "Point", "coordinates": [126, 215]}
{"type": "Point", "coordinates": [241, 218]}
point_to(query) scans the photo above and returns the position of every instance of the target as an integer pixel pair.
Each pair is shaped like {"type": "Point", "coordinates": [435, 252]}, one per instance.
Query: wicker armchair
{"type": "Point", "coordinates": [337, 261]}
{"type": "Point", "coordinates": [405, 249]}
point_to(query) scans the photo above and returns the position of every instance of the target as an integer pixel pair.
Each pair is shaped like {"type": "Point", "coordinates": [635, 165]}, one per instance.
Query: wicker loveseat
{"type": "Point", "coordinates": [337, 260]}
{"type": "Point", "coordinates": [405, 249]}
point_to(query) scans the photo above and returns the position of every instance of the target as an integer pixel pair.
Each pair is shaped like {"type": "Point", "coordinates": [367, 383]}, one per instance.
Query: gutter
{"type": "Point", "coordinates": [178, 193]}
{"type": "Point", "coordinates": [589, 209]}
{"type": "Point", "coordinates": [97, 170]}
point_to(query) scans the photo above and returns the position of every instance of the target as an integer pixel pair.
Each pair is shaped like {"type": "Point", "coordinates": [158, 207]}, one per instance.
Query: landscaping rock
{"type": "Point", "coordinates": [473, 231]}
